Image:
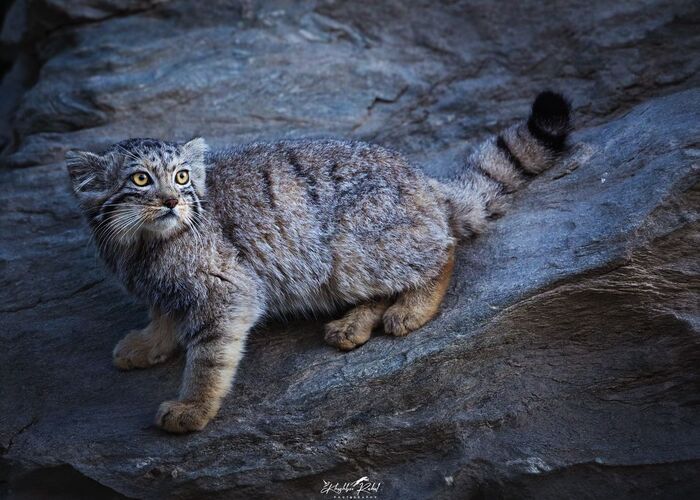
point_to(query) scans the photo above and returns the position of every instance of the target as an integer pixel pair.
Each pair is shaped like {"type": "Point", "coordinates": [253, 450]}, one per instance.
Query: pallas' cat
{"type": "Point", "coordinates": [214, 241]}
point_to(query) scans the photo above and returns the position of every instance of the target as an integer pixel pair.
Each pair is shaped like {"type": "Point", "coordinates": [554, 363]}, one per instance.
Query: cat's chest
{"type": "Point", "coordinates": [168, 277]}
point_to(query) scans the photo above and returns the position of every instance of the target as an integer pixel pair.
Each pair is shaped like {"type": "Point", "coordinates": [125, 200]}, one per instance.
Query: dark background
{"type": "Point", "coordinates": [565, 361]}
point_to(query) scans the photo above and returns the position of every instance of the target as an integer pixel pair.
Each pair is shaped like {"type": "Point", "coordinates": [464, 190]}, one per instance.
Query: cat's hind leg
{"type": "Point", "coordinates": [416, 306]}
{"type": "Point", "coordinates": [147, 347]}
{"type": "Point", "coordinates": [355, 328]}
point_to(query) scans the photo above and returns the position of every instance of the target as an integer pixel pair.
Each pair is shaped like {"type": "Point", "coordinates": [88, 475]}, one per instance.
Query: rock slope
{"type": "Point", "coordinates": [565, 361]}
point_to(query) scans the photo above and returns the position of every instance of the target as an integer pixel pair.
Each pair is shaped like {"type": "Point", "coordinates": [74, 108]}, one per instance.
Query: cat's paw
{"type": "Point", "coordinates": [400, 320]}
{"type": "Point", "coordinates": [138, 349]}
{"type": "Point", "coordinates": [180, 417]}
{"type": "Point", "coordinates": [346, 335]}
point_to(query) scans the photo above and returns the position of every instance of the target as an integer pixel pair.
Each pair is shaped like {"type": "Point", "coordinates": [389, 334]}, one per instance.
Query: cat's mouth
{"type": "Point", "coordinates": [164, 220]}
{"type": "Point", "coordinates": [169, 214]}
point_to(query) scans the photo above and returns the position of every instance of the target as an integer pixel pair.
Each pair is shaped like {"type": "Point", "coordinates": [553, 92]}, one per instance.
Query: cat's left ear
{"type": "Point", "coordinates": [196, 148]}
{"type": "Point", "coordinates": [86, 171]}
{"type": "Point", "coordinates": [194, 153]}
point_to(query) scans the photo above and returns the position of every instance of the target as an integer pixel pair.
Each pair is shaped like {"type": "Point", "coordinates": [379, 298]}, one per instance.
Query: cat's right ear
{"type": "Point", "coordinates": [86, 172]}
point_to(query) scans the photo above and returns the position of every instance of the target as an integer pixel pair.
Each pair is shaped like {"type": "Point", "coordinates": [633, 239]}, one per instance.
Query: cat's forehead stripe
{"type": "Point", "coordinates": [152, 154]}
{"type": "Point", "coordinates": [152, 149]}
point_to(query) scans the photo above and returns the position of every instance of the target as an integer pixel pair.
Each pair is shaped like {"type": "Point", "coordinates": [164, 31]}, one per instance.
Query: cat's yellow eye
{"type": "Point", "coordinates": [182, 177]}
{"type": "Point", "coordinates": [141, 179]}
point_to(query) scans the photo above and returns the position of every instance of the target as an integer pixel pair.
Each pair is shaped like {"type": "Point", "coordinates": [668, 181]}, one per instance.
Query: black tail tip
{"type": "Point", "coordinates": [550, 119]}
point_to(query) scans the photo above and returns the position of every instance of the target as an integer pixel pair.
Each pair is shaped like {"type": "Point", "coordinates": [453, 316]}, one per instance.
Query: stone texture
{"type": "Point", "coordinates": [565, 361]}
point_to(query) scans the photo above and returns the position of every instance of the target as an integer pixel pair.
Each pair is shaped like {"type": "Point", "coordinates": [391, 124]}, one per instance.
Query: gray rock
{"type": "Point", "coordinates": [564, 363]}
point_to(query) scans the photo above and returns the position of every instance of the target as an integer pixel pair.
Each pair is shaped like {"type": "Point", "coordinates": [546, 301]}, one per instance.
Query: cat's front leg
{"type": "Point", "coordinates": [149, 346]}
{"type": "Point", "coordinates": [213, 355]}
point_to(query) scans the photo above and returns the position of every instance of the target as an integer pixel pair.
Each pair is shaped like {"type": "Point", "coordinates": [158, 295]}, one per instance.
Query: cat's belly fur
{"type": "Point", "coordinates": [327, 223]}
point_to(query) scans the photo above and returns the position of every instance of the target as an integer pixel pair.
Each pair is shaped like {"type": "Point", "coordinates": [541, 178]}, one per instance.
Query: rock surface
{"type": "Point", "coordinates": [565, 361]}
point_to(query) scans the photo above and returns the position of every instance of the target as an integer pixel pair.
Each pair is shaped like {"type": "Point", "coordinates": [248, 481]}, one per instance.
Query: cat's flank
{"type": "Point", "coordinates": [214, 241]}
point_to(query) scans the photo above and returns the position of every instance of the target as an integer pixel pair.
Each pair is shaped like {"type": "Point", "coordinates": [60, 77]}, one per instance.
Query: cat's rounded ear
{"type": "Point", "coordinates": [86, 172]}
{"type": "Point", "coordinates": [194, 152]}
{"type": "Point", "coordinates": [196, 148]}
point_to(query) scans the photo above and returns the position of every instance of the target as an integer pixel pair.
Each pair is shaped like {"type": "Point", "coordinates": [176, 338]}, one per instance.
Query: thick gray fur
{"type": "Point", "coordinates": [307, 226]}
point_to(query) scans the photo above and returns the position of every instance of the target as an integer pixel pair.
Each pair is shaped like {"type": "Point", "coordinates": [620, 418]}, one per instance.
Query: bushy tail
{"type": "Point", "coordinates": [504, 163]}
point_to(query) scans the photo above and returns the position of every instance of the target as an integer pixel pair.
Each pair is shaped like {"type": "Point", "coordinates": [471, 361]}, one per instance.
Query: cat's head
{"type": "Point", "coordinates": [140, 187]}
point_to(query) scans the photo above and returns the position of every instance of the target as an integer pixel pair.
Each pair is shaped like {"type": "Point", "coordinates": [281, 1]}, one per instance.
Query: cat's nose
{"type": "Point", "coordinates": [170, 202]}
